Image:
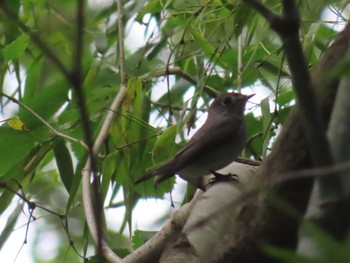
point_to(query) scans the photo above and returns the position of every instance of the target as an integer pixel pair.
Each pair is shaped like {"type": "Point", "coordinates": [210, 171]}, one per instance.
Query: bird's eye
{"type": "Point", "coordinates": [226, 101]}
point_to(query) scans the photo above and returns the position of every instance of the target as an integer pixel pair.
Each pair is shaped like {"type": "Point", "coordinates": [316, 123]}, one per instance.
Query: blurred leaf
{"type": "Point", "coordinates": [308, 41]}
{"type": "Point", "coordinates": [254, 127]}
{"type": "Point", "coordinates": [64, 163]}
{"type": "Point", "coordinates": [211, 52]}
{"type": "Point", "coordinates": [17, 124]}
{"type": "Point", "coordinates": [286, 97]}
{"type": "Point", "coordinates": [137, 240]}
{"type": "Point", "coordinates": [16, 171]}
{"type": "Point", "coordinates": [45, 103]}
{"type": "Point", "coordinates": [10, 224]}
{"type": "Point", "coordinates": [176, 94]}
{"type": "Point", "coordinates": [32, 80]}
{"type": "Point", "coordinates": [288, 256]}
{"type": "Point", "coordinates": [16, 48]}
{"type": "Point", "coordinates": [283, 114]}
{"type": "Point", "coordinates": [165, 145]}
{"type": "Point", "coordinates": [152, 7]}
{"type": "Point", "coordinates": [11, 156]}
{"type": "Point", "coordinates": [76, 182]}
{"type": "Point", "coordinates": [242, 14]}
{"type": "Point", "coordinates": [109, 166]}
{"type": "Point", "coordinates": [14, 5]}
{"type": "Point", "coordinates": [25, 164]}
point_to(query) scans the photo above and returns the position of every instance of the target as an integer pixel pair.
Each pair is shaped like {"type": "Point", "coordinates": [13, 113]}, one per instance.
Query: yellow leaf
{"type": "Point", "coordinates": [17, 124]}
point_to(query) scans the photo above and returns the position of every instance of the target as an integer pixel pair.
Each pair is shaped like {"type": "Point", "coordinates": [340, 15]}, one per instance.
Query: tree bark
{"type": "Point", "coordinates": [261, 221]}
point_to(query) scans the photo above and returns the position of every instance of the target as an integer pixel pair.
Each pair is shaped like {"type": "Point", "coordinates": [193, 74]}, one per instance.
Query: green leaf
{"type": "Point", "coordinates": [32, 80]}
{"type": "Point", "coordinates": [211, 52]}
{"type": "Point", "coordinates": [242, 14]}
{"type": "Point", "coordinates": [254, 127]}
{"type": "Point", "coordinates": [64, 163]}
{"type": "Point", "coordinates": [165, 145]}
{"type": "Point", "coordinates": [137, 240]}
{"type": "Point", "coordinates": [10, 224]}
{"type": "Point", "coordinates": [26, 164]}
{"type": "Point", "coordinates": [152, 7]}
{"type": "Point", "coordinates": [14, 148]}
{"type": "Point", "coordinates": [13, 5]}
{"type": "Point", "coordinates": [109, 166]}
{"type": "Point", "coordinates": [16, 171]}
{"type": "Point", "coordinates": [135, 93]}
{"type": "Point", "coordinates": [286, 97]}
{"type": "Point", "coordinates": [45, 103]}
{"type": "Point", "coordinates": [16, 48]}
{"type": "Point", "coordinates": [76, 182]}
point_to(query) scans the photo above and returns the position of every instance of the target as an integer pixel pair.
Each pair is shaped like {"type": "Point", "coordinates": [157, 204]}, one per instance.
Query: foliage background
{"type": "Point", "coordinates": [198, 48]}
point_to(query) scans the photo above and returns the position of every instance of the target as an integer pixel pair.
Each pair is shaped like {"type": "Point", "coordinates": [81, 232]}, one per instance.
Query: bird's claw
{"type": "Point", "coordinates": [223, 177]}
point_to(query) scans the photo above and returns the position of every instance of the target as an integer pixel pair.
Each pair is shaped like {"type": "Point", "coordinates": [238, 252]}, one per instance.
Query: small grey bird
{"type": "Point", "coordinates": [215, 145]}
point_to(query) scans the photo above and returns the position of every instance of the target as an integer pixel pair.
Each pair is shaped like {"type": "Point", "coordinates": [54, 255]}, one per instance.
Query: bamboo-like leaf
{"type": "Point", "coordinates": [64, 163]}
{"type": "Point", "coordinates": [210, 51]}
{"type": "Point", "coordinates": [16, 49]}
{"type": "Point", "coordinates": [10, 224]}
{"type": "Point", "coordinates": [165, 145]}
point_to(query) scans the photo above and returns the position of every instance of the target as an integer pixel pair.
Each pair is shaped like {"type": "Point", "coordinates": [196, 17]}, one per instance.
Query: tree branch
{"type": "Point", "coordinates": [77, 82]}
{"type": "Point", "coordinates": [153, 248]}
{"type": "Point", "coordinates": [287, 27]}
{"type": "Point", "coordinates": [115, 106]}
{"type": "Point", "coordinates": [177, 71]}
{"type": "Point", "coordinates": [260, 222]}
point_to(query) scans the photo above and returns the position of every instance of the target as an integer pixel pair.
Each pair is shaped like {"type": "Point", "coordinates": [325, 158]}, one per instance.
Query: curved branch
{"type": "Point", "coordinates": [287, 27]}
{"type": "Point", "coordinates": [153, 248]}
{"type": "Point", "coordinates": [115, 106]}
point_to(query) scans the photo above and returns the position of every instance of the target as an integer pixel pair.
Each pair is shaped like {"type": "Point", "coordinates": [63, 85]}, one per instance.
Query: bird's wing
{"type": "Point", "coordinates": [204, 139]}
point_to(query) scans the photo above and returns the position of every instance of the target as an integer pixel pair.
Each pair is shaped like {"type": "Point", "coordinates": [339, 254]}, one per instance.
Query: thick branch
{"type": "Point", "coordinates": [260, 222]}
{"type": "Point", "coordinates": [287, 27]}
{"type": "Point", "coordinates": [153, 248]}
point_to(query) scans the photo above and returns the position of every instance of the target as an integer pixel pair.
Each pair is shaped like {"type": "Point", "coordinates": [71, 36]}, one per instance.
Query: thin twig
{"type": "Point", "coordinates": [177, 71]}
{"type": "Point", "coordinates": [239, 63]}
{"type": "Point", "coordinates": [263, 10]}
{"type": "Point", "coordinates": [52, 129]}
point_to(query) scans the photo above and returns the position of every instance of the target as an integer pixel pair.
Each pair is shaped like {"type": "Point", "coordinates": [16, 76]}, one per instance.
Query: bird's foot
{"type": "Point", "coordinates": [223, 177]}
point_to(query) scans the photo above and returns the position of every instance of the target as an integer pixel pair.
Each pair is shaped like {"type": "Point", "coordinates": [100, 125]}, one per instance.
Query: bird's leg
{"type": "Point", "coordinates": [223, 177]}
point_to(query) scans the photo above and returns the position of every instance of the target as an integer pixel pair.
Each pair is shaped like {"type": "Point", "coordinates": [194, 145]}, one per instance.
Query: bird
{"type": "Point", "coordinates": [215, 145]}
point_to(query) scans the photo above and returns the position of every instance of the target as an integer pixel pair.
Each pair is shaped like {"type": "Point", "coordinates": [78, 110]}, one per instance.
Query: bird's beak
{"type": "Point", "coordinates": [249, 96]}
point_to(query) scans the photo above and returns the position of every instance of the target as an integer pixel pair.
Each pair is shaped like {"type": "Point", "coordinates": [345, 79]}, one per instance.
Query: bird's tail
{"type": "Point", "coordinates": [161, 170]}
{"type": "Point", "coordinates": [147, 176]}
